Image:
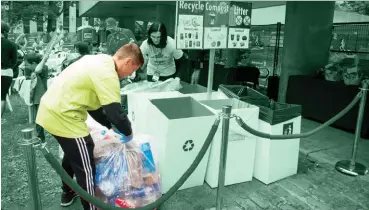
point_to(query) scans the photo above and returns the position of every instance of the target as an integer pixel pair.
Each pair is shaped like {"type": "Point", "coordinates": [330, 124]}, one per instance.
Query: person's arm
{"type": "Point", "coordinates": [177, 54]}
{"type": "Point", "coordinates": [13, 55]}
{"type": "Point", "coordinates": [144, 66]}
{"type": "Point", "coordinates": [179, 57]}
{"type": "Point", "coordinates": [117, 117]}
{"type": "Point", "coordinates": [41, 65]}
{"type": "Point", "coordinates": [99, 116]}
{"type": "Point", "coordinates": [18, 38]}
{"type": "Point", "coordinates": [25, 43]}
{"type": "Point", "coordinates": [129, 33]}
{"type": "Point", "coordinates": [145, 52]}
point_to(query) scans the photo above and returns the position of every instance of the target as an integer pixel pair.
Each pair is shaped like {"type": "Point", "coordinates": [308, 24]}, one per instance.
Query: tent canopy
{"type": "Point", "coordinates": [141, 10]}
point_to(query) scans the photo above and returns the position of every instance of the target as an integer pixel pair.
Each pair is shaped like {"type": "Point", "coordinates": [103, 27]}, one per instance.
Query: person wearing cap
{"type": "Point", "coordinates": [88, 86]}
{"type": "Point", "coordinates": [118, 36]}
{"type": "Point", "coordinates": [9, 59]}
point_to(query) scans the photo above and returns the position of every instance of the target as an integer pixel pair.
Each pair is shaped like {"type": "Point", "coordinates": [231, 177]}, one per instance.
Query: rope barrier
{"type": "Point", "coordinates": [302, 135]}
{"type": "Point", "coordinates": [27, 140]}
{"type": "Point", "coordinates": [86, 196]}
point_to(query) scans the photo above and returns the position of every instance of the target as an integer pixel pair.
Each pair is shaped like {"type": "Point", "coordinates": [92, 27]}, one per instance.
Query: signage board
{"type": "Point", "coordinates": [239, 25]}
{"type": "Point", "coordinates": [190, 24]}
{"type": "Point", "coordinates": [213, 25]}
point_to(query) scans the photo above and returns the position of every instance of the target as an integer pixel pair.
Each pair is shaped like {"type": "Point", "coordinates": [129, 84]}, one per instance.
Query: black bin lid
{"type": "Point", "coordinates": [270, 111]}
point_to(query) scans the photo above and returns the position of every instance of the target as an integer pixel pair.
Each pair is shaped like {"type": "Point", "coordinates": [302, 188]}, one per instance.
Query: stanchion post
{"type": "Point", "coordinates": [351, 167]}
{"type": "Point", "coordinates": [30, 114]}
{"type": "Point", "coordinates": [223, 155]}
{"type": "Point", "coordinates": [29, 142]}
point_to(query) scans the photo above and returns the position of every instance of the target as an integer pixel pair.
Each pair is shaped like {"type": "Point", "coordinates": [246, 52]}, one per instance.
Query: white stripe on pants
{"type": "Point", "coordinates": [87, 167]}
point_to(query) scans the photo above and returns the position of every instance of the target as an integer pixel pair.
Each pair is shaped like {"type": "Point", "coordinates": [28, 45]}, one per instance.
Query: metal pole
{"type": "Point", "coordinates": [351, 167]}
{"type": "Point", "coordinates": [223, 155]}
{"type": "Point", "coordinates": [211, 73]}
{"type": "Point", "coordinates": [28, 142]}
{"type": "Point", "coordinates": [30, 114]}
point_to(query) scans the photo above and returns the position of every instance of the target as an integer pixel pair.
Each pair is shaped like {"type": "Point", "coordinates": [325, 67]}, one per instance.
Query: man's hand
{"type": "Point", "coordinates": [124, 138]}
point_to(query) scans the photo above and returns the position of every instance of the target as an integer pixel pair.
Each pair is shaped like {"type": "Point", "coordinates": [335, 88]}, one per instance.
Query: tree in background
{"type": "Point", "coordinates": [16, 11]}
{"type": "Point", "coordinates": [361, 7]}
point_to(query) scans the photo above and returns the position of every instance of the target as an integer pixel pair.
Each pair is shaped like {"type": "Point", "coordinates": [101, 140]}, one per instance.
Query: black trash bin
{"type": "Point", "coordinates": [274, 159]}
{"type": "Point", "coordinates": [245, 94]}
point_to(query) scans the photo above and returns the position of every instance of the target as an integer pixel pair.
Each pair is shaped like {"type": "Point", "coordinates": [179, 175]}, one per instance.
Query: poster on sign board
{"type": "Point", "coordinates": [239, 25]}
{"type": "Point", "coordinates": [190, 26]}
{"type": "Point", "coordinates": [216, 24]}
{"type": "Point", "coordinates": [213, 25]}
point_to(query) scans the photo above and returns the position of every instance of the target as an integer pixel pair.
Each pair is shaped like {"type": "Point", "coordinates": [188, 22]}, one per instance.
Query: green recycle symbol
{"type": "Point", "coordinates": [188, 146]}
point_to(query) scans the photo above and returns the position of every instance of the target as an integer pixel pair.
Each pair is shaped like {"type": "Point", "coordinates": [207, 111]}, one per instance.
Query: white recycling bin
{"type": "Point", "coordinates": [180, 127]}
{"type": "Point", "coordinates": [137, 107]}
{"type": "Point", "coordinates": [277, 159]}
{"type": "Point", "coordinates": [241, 144]}
{"type": "Point", "coordinates": [199, 92]}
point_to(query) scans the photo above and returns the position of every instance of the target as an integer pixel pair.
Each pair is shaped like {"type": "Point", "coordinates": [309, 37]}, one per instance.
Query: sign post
{"type": "Point", "coordinates": [213, 25]}
{"type": "Point", "coordinates": [211, 73]}
{"type": "Point", "coordinates": [215, 33]}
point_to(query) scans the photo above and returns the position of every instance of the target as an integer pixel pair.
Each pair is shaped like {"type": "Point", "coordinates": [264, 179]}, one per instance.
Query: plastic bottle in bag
{"type": "Point", "coordinates": [119, 202]}
{"type": "Point", "coordinates": [148, 164]}
{"type": "Point", "coordinates": [134, 162]}
{"type": "Point", "coordinates": [138, 196]}
{"type": "Point", "coordinates": [152, 193]}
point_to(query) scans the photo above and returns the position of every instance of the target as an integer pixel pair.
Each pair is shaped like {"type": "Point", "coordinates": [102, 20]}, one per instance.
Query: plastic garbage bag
{"type": "Point", "coordinates": [145, 86]}
{"type": "Point", "coordinates": [126, 173]}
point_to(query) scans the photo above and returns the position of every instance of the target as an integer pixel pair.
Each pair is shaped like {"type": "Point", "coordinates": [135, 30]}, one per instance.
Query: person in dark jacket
{"type": "Point", "coordinates": [8, 62]}
{"type": "Point", "coordinates": [118, 36]}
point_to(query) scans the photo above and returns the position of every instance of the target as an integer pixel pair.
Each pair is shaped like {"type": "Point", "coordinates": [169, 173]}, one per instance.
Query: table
{"type": "Point", "coordinates": [321, 100]}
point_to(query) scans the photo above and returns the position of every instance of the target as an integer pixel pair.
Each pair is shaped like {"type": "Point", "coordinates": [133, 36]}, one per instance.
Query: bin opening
{"type": "Point", "coordinates": [178, 108]}
{"type": "Point", "coordinates": [279, 112]}
{"type": "Point", "coordinates": [273, 105]}
{"type": "Point", "coordinates": [270, 111]}
{"type": "Point", "coordinates": [219, 103]}
{"type": "Point", "coordinates": [188, 88]}
{"type": "Point", "coordinates": [245, 93]}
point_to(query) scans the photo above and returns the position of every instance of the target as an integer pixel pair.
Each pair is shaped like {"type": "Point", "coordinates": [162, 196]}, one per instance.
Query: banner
{"type": "Point", "coordinates": [190, 24]}
{"type": "Point", "coordinates": [239, 25]}
{"type": "Point", "coordinates": [213, 25]}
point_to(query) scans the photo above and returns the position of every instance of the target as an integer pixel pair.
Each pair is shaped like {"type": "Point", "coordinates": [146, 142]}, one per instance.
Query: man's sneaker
{"type": "Point", "coordinates": [67, 198]}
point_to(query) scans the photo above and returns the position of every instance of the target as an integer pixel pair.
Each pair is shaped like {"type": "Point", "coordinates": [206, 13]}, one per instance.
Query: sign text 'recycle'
{"type": "Point", "coordinates": [199, 6]}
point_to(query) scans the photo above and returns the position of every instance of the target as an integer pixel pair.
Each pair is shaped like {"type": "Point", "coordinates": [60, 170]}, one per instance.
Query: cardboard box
{"type": "Point", "coordinates": [138, 104]}
{"type": "Point", "coordinates": [199, 92]}
{"type": "Point", "coordinates": [274, 159]}
{"type": "Point", "coordinates": [241, 144]}
{"type": "Point", "coordinates": [180, 127]}
{"type": "Point", "coordinates": [277, 159]}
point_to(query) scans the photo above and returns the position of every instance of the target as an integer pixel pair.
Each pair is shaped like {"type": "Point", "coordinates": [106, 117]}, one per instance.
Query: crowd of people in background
{"type": "Point", "coordinates": [82, 78]}
{"type": "Point", "coordinates": [162, 59]}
